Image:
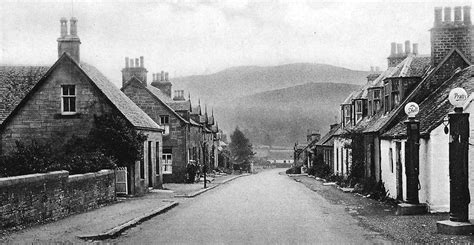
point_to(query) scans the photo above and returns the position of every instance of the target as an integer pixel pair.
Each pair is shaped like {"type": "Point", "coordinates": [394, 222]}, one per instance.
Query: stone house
{"type": "Point", "coordinates": [63, 100]}
{"type": "Point", "coordinates": [325, 146]}
{"type": "Point", "coordinates": [184, 139]}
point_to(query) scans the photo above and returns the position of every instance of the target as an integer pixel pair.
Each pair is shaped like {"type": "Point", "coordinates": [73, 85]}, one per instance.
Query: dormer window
{"type": "Point", "coordinates": [68, 99]}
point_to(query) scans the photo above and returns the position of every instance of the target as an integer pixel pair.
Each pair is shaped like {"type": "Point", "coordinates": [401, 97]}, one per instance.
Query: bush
{"type": "Point", "coordinates": [320, 170]}
{"type": "Point", "coordinates": [111, 142]}
{"type": "Point", "coordinates": [294, 170]}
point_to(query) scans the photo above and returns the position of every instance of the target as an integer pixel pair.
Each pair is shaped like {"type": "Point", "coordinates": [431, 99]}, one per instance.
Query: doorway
{"type": "Point", "coordinates": [399, 170]}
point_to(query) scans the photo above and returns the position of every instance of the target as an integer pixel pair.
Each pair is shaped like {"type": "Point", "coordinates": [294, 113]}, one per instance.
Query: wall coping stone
{"type": "Point", "coordinates": [29, 178]}
{"type": "Point", "coordinates": [77, 177]}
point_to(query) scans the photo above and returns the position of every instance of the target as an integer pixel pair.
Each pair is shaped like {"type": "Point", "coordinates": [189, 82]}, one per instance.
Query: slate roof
{"type": "Point", "coordinates": [412, 66]}
{"type": "Point", "coordinates": [181, 105]}
{"type": "Point", "coordinates": [436, 106]}
{"type": "Point", "coordinates": [127, 107]}
{"type": "Point", "coordinates": [15, 83]}
{"type": "Point", "coordinates": [326, 138]}
{"type": "Point", "coordinates": [196, 110]}
{"type": "Point", "coordinates": [159, 94]}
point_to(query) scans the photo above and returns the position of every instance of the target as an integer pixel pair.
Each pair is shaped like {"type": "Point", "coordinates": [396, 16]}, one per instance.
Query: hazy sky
{"type": "Point", "coordinates": [196, 37]}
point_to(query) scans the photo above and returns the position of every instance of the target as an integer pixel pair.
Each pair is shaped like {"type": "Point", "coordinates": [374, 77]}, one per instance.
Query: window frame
{"type": "Point", "coordinates": [167, 163]}
{"type": "Point", "coordinates": [165, 123]}
{"type": "Point", "coordinates": [359, 110]}
{"type": "Point", "coordinates": [68, 97]}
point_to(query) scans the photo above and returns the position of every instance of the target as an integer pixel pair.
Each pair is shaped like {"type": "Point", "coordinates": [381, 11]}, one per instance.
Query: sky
{"type": "Point", "coordinates": [187, 37]}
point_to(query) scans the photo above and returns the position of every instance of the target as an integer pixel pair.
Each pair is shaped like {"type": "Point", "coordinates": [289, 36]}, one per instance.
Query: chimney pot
{"type": "Point", "coordinates": [399, 49]}
{"type": "Point", "coordinates": [154, 76]}
{"type": "Point", "coordinates": [63, 22]}
{"type": "Point", "coordinates": [393, 51]}
{"type": "Point", "coordinates": [415, 48]}
{"type": "Point", "coordinates": [447, 14]}
{"type": "Point", "coordinates": [166, 76]}
{"type": "Point", "coordinates": [371, 69]}
{"type": "Point", "coordinates": [162, 78]}
{"type": "Point", "coordinates": [137, 62]}
{"type": "Point", "coordinates": [438, 13]}
{"type": "Point", "coordinates": [457, 14]}
{"type": "Point", "coordinates": [407, 47]}
{"type": "Point", "coordinates": [142, 61]}
{"type": "Point", "coordinates": [467, 15]}
{"type": "Point", "coordinates": [126, 62]}
{"type": "Point", "coordinates": [377, 69]}
{"type": "Point", "coordinates": [73, 29]}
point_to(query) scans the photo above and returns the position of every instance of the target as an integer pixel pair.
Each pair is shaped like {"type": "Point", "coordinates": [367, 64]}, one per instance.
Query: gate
{"type": "Point", "coordinates": [121, 185]}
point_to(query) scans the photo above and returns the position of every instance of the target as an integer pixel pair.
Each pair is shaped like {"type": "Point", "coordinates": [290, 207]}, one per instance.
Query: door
{"type": "Point", "coordinates": [150, 166]}
{"type": "Point", "coordinates": [121, 185]}
{"type": "Point", "coordinates": [399, 177]}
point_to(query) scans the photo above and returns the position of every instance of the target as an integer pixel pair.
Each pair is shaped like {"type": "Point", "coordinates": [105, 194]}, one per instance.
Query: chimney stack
{"type": "Point", "coordinates": [467, 15]}
{"type": "Point", "coordinates": [134, 69]}
{"type": "Point", "coordinates": [438, 13]}
{"type": "Point", "coordinates": [447, 14]}
{"type": "Point", "coordinates": [73, 30]}
{"type": "Point", "coordinates": [449, 34]}
{"type": "Point", "coordinates": [179, 95]}
{"type": "Point", "coordinates": [69, 44]}
{"type": "Point", "coordinates": [399, 49]}
{"type": "Point", "coordinates": [393, 51]}
{"type": "Point", "coordinates": [415, 48]}
{"type": "Point", "coordinates": [63, 22]}
{"type": "Point", "coordinates": [161, 82]}
{"type": "Point", "coordinates": [457, 14]}
{"type": "Point", "coordinates": [407, 47]}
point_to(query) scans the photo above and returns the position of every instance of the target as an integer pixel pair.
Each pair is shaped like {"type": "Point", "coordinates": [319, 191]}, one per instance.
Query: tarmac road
{"type": "Point", "coordinates": [266, 208]}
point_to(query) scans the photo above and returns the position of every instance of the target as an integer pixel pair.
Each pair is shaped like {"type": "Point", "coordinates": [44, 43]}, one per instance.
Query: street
{"type": "Point", "coordinates": [266, 208]}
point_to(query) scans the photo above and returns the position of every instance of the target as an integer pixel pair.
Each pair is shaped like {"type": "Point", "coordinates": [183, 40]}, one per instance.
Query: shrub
{"type": "Point", "coordinates": [320, 170]}
{"type": "Point", "coordinates": [294, 170]}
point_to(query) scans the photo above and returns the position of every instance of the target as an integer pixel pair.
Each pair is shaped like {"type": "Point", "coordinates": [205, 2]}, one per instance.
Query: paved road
{"type": "Point", "coordinates": [266, 208]}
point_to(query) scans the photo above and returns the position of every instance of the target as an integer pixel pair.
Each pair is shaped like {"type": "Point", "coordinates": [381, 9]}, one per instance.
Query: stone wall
{"type": "Point", "coordinates": [37, 198]}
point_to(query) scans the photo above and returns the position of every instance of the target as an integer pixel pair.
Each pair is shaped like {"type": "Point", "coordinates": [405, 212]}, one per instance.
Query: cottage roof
{"type": "Point", "coordinates": [326, 138]}
{"type": "Point", "coordinates": [122, 103]}
{"type": "Point", "coordinates": [412, 66]}
{"type": "Point", "coordinates": [118, 100]}
{"type": "Point", "coordinates": [15, 83]}
{"type": "Point", "coordinates": [436, 106]}
{"type": "Point", "coordinates": [184, 105]}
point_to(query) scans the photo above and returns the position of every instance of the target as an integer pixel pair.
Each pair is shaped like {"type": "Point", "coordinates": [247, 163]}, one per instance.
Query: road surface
{"type": "Point", "coordinates": [266, 208]}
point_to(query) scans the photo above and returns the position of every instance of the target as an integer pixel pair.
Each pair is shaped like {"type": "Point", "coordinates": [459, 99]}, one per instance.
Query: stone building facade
{"type": "Point", "coordinates": [64, 101]}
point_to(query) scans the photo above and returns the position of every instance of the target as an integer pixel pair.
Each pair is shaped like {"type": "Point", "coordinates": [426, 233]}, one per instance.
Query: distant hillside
{"type": "Point", "coordinates": [237, 82]}
{"type": "Point", "coordinates": [282, 116]}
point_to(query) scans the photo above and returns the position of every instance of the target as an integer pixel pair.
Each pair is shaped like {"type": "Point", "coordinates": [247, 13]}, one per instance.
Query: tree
{"type": "Point", "coordinates": [241, 149]}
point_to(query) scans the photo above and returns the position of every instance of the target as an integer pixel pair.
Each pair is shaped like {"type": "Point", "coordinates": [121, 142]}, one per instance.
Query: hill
{"type": "Point", "coordinates": [281, 117]}
{"type": "Point", "coordinates": [241, 81]}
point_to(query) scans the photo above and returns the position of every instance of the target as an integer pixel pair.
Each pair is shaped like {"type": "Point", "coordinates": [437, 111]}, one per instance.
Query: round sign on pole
{"type": "Point", "coordinates": [457, 97]}
{"type": "Point", "coordinates": [412, 109]}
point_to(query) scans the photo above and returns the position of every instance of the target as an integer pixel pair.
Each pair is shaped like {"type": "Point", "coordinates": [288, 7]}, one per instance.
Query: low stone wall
{"type": "Point", "coordinates": [36, 198]}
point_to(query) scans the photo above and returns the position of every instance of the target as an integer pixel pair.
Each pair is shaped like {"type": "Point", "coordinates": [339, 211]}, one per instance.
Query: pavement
{"type": "Point", "coordinates": [265, 208]}
{"type": "Point", "coordinates": [381, 217]}
{"type": "Point", "coordinates": [112, 220]}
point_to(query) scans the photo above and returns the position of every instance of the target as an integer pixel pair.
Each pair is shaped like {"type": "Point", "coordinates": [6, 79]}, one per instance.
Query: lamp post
{"type": "Point", "coordinates": [412, 156]}
{"type": "Point", "coordinates": [459, 197]}
{"type": "Point", "coordinates": [412, 164]}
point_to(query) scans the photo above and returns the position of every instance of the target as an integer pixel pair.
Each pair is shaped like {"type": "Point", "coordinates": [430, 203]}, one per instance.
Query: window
{"type": "Point", "coordinates": [395, 99]}
{"type": "Point", "coordinates": [377, 94]}
{"type": "Point", "coordinates": [167, 161]}
{"type": "Point", "coordinates": [386, 104]}
{"type": "Point", "coordinates": [390, 159]}
{"type": "Point", "coordinates": [68, 97]}
{"type": "Point", "coordinates": [358, 110]}
{"type": "Point", "coordinates": [347, 115]}
{"type": "Point", "coordinates": [165, 121]}
{"type": "Point", "coordinates": [395, 85]}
